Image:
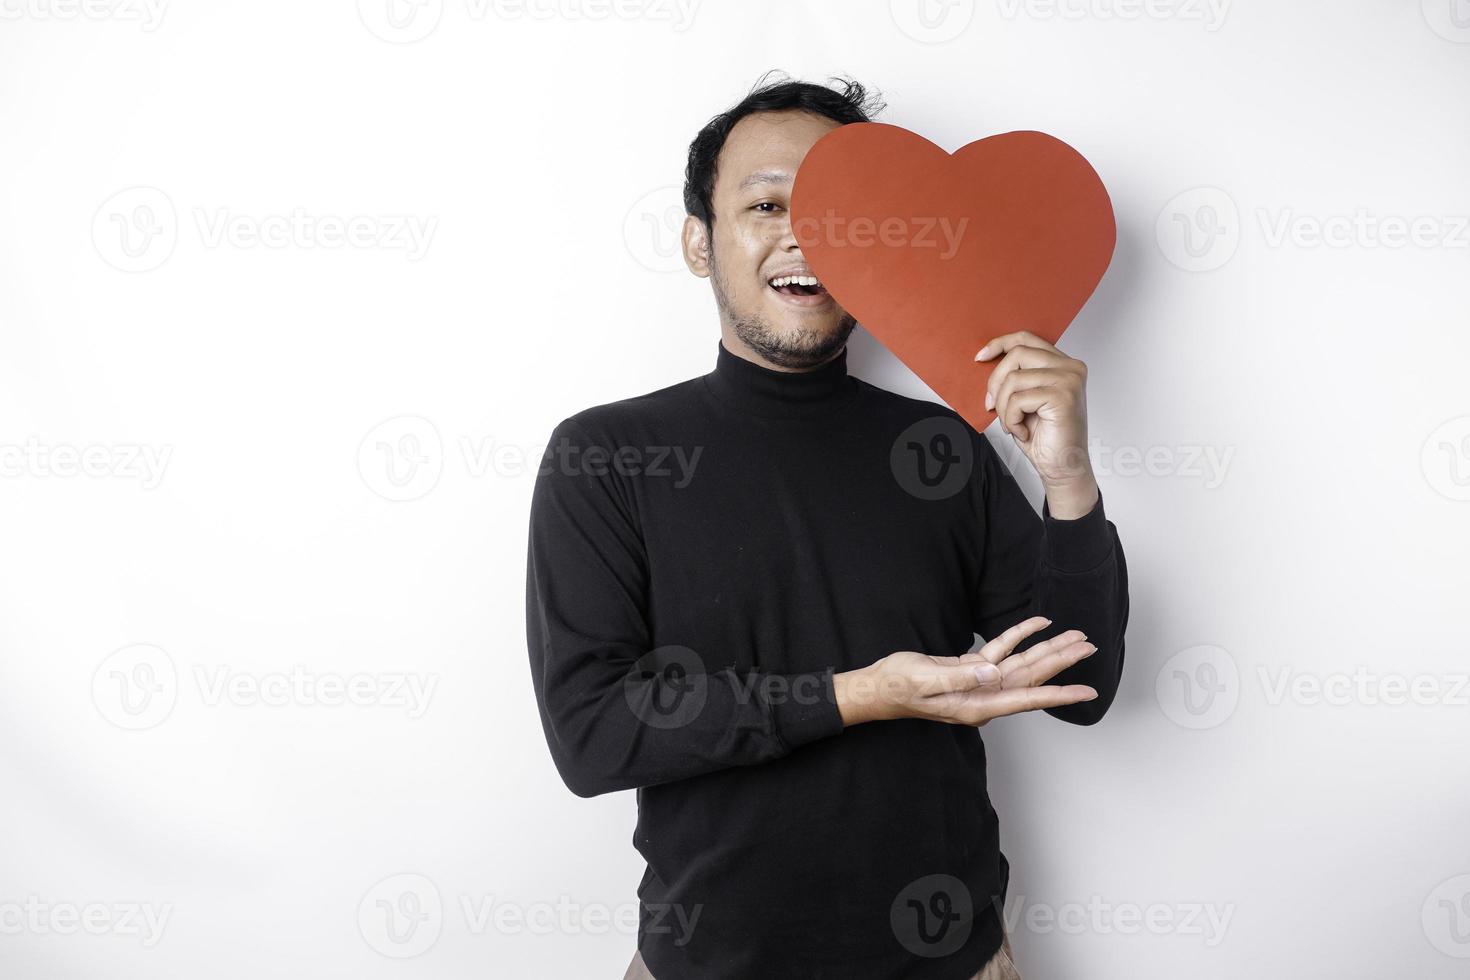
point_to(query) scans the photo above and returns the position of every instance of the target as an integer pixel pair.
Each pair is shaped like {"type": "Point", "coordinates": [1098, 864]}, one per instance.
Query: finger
{"type": "Point", "coordinates": [956, 678]}
{"type": "Point", "coordinates": [1034, 653]}
{"type": "Point", "coordinates": [1033, 400]}
{"type": "Point", "coordinates": [1045, 668]}
{"type": "Point", "coordinates": [1016, 359]}
{"type": "Point", "coordinates": [1010, 660]}
{"type": "Point", "coordinates": [1011, 408]}
{"type": "Point", "coordinates": [999, 648]}
{"type": "Point", "coordinates": [1003, 343]}
{"type": "Point", "coordinates": [1015, 701]}
{"type": "Point", "coordinates": [949, 703]}
{"type": "Point", "coordinates": [1035, 377]}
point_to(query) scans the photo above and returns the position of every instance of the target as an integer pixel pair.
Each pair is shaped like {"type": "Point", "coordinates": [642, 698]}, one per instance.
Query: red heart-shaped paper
{"type": "Point", "coordinates": [937, 253]}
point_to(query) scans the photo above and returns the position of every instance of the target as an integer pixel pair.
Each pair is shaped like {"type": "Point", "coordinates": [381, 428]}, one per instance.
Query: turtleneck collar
{"type": "Point", "coordinates": [759, 390]}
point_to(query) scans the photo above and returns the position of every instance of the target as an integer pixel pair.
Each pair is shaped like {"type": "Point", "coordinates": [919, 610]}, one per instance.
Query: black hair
{"type": "Point", "coordinates": [850, 104]}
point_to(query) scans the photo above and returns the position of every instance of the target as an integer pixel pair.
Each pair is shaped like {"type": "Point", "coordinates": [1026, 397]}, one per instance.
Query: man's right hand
{"type": "Point", "coordinates": [969, 689]}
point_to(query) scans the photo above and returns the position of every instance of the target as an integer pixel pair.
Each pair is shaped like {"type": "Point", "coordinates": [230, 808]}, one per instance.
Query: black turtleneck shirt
{"type": "Point", "coordinates": [702, 559]}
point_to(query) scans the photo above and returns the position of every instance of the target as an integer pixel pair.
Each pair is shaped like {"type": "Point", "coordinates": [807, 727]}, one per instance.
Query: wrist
{"type": "Point", "coordinates": [857, 696]}
{"type": "Point", "coordinates": [1072, 499]}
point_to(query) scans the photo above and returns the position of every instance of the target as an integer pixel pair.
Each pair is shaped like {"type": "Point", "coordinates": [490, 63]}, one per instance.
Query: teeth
{"type": "Point", "coordinates": [795, 280]}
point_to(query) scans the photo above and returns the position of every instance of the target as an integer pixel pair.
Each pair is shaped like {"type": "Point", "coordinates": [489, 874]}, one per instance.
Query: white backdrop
{"type": "Point", "coordinates": [292, 294]}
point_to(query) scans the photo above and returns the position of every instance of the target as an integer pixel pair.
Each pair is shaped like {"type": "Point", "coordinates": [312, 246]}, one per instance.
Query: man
{"type": "Point", "coordinates": [750, 596]}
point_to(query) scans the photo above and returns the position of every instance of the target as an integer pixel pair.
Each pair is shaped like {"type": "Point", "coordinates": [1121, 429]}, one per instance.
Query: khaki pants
{"type": "Point", "coordinates": [1002, 965]}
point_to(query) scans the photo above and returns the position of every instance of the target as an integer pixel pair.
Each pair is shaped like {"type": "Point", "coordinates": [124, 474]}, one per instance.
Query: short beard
{"type": "Point", "coordinates": [803, 349]}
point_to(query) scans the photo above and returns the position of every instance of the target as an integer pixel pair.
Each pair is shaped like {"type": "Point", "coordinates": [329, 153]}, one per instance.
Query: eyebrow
{"type": "Point", "coordinates": [765, 177]}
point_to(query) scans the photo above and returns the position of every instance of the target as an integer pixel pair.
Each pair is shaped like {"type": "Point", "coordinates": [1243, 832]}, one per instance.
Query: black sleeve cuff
{"type": "Point", "coordinates": [807, 710]}
{"type": "Point", "coordinates": [1078, 545]}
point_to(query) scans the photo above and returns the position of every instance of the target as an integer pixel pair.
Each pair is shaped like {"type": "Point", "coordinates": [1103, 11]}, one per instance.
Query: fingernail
{"type": "Point", "coordinates": [983, 353]}
{"type": "Point", "coordinates": [985, 673]}
{"type": "Point", "coordinates": [989, 401]}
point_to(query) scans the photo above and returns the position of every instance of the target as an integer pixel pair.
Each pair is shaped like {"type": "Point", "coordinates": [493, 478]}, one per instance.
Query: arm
{"type": "Point", "coordinates": [1071, 571]}
{"type": "Point", "coordinates": [618, 714]}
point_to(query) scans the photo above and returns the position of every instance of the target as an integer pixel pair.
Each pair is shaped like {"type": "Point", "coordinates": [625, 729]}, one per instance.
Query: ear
{"type": "Point", "coordinates": [696, 244]}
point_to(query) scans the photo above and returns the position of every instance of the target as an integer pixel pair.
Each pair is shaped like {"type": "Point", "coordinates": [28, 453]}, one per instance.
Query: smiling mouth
{"type": "Point", "coordinates": [805, 290]}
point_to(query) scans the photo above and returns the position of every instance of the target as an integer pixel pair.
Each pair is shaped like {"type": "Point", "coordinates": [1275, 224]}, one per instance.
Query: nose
{"type": "Point", "coordinates": [788, 242]}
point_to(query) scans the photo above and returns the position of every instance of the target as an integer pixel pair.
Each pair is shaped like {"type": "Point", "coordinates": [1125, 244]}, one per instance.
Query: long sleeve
{"type": "Point", "coordinates": [1071, 571]}
{"type": "Point", "coordinates": [618, 713]}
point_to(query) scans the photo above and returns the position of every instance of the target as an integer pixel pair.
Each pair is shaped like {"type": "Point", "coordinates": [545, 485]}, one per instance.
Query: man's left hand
{"type": "Point", "coordinates": [1040, 396]}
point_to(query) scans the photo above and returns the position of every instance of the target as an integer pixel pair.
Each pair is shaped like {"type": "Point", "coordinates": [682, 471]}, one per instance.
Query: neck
{"type": "Point", "coordinates": [757, 388]}
{"type": "Point", "coordinates": [732, 342]}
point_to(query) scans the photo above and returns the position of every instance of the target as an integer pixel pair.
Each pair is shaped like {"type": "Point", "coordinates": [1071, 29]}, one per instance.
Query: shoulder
{"type": "Point", "coordinates": [615, 422]}
{"type": "Point", "coordinates": [907, 410]}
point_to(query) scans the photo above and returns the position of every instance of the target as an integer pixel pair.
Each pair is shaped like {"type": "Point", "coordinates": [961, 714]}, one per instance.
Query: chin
{"type": "Point", "coordinates": [796, 341]}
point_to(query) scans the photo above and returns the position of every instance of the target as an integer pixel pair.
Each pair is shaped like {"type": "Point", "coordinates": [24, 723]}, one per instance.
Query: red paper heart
{"type": "Point", "coordinates": [935, 254]}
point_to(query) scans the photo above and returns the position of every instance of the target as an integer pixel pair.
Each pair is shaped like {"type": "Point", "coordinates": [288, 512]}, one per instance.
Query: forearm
{"type": "Point", "coordinates": [856, 695]}
{"type": "Point", "coordinates": [1083, 585]}
{"type": "Point", "coordinates": [1070, 501]}
{"type": "Point", "coordinates": [613, 729]}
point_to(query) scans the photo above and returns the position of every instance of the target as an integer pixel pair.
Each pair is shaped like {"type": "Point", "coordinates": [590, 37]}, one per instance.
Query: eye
{"type": "Point", "coordinates": [766, 204]}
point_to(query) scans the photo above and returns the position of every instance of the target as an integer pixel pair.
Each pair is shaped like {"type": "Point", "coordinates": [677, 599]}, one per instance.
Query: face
{"type": "Point", "coordinates": [751, 244]}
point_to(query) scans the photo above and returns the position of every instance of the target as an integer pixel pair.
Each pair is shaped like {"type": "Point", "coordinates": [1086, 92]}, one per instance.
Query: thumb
{"type": "Point", "coordinates": [967, 676]}
{"type": "Point", "coordinates": [986, 674]}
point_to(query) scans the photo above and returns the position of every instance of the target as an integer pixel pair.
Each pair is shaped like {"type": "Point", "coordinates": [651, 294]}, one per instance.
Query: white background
{"type": "Point", "coordinates": [343, 439]}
